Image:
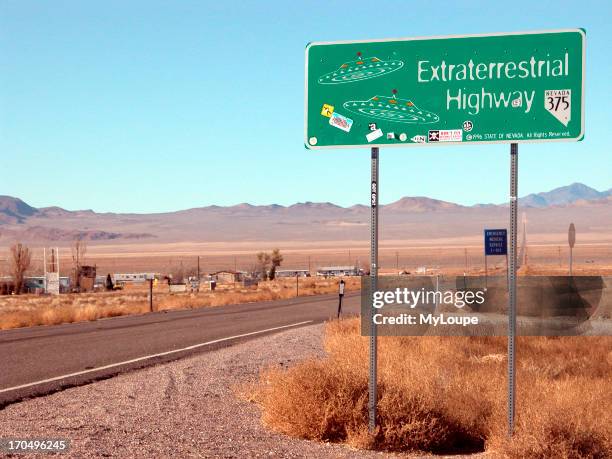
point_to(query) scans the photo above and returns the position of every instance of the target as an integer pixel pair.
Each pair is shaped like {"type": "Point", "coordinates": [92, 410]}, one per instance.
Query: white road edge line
{"type": "Point", "coordinates": [146, 357]}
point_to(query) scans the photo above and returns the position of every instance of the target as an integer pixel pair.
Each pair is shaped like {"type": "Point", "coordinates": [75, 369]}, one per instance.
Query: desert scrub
{"type": "Point", "coordinates": [28, 310]}
{"type": "Point", "coordinates": [448, 395]}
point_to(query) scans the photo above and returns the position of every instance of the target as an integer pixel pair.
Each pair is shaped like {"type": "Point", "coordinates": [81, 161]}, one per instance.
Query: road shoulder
{"type": "Point", "coordinates": [186, 408]}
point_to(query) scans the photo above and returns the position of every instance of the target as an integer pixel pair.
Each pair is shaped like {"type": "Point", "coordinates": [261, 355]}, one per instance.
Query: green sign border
{"type": "Point", "coordinates": [580, 137]}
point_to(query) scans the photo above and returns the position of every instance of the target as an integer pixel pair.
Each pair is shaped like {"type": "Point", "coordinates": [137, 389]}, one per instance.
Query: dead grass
{"type": "Point", "coordinates": [29, 310]}
{"type": "Point", "coordinates": [448, 394]}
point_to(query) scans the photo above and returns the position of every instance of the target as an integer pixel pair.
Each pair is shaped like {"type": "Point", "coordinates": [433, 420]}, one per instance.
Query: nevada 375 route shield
{"type": "Point", "coordinates": [511, 87]}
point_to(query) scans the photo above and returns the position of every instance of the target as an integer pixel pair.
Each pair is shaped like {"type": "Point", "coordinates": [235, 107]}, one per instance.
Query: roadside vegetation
{"type": "Point", "coordinates": [267, 263]}
{"type": "Point", "coordinates": [28, 310]}
{"type": "Point", "coordinates": [448, 395]}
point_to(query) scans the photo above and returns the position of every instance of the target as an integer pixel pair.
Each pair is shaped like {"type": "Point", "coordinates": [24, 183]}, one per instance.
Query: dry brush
{"type": "Point", "coordinates": [448, 395]}
{"type": "Point", "coordinates": [30, 310]}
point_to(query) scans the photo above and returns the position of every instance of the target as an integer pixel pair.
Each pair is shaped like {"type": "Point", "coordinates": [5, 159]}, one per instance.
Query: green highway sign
{"type": "Point", "coordinates": [503, 87]}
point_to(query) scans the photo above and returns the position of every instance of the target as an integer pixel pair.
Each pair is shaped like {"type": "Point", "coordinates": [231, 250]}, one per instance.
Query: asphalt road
{"type": "Point", "coordinates": [39, 360]}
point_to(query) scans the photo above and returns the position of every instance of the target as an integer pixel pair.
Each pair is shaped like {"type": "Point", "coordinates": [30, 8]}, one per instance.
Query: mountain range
{"type": "Point", "coordinates": [419, 217]}
{"type": "Point", "coordinates": [564, 195]}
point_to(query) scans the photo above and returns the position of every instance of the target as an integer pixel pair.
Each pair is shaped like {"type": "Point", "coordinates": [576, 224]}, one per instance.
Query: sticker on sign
{"type": "Point", "coordinates": [341, 122]}
{"type": "Point", "coordinates": [327, 110]}
{"type": "Point", "coordinates": [372, 136]}
{"type": "Point", "coordinates": [446, 135]}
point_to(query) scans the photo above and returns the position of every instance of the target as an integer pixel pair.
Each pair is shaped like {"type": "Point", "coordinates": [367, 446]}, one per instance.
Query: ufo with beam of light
{"type": "Point", "coordinates": [363, 68]}
{"type": "Point", "coordinates": [391, 109]}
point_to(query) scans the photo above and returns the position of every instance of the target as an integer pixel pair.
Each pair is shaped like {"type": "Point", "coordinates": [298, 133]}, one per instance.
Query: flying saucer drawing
{"type": "Point", "coordinates": [391, 109]}
{"type": "Point", "coordinates": [362, 68]}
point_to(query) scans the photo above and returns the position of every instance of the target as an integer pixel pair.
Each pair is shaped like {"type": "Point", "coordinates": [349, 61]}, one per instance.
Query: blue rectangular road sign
{"type": "Point", "coordinates": [496, 241]}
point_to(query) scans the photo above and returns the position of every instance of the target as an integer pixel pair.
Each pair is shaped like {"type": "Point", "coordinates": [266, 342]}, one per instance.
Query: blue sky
{"type": "Point", "coordinates": [143, 106]}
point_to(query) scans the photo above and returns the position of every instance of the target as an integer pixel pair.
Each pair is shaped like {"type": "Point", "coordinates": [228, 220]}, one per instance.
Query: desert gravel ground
{"type": "Point", "coordinates": [186, 408]}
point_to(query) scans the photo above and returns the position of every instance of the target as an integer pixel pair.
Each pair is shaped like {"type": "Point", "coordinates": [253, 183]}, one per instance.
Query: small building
{"type": "Point", "coordinates": [100, 282]}
{"type": "Point", "coordinates": [36, 284]}
{"type": "Point", "coordinates": [336, 271]}
{"type": "Point", "coordinates": [292, 273]}
{"type": "Point", "coordinates": [228, 277]}
{"type": "Point", "coordinates": [177, 288]}
{"type": "Point", "coordinates": [86, 278]}
{"type": "Point", "coordinates": [136, 278]}
{"type": "Point", "coordinates": [7, 286]}
{"type": "Point", "coordinates": [32, 284]}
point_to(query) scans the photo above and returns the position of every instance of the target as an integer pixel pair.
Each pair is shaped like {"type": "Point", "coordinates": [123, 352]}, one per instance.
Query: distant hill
{"type": "Point", "coordinates": [421, 204]}
{"type": "Point", "coordinates": [16, 216]}
{"type": "Point", "coordinates": [414, 217]}
{"type": "Point", "coordinates": [14, 210]}
{"type": "Point", "coordinates": [564, 195]}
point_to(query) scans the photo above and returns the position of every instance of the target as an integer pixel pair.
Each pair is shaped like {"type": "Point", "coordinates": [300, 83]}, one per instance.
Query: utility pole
{"type": "Point", "coordinates": [397, 261]}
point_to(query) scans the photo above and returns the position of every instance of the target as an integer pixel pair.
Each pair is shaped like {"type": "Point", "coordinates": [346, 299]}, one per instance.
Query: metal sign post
{"type": "Point", "coordinates": [373, 286]}
{"type": "Point", "coordinates": [512, 287]}
{"type": "Point", "coordinates": [486, 274]}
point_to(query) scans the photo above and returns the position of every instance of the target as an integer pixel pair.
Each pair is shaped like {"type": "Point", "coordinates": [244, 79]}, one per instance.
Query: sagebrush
{"type": "Point", "coordinates": [448, 395]}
